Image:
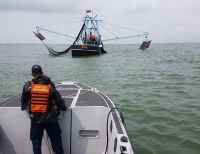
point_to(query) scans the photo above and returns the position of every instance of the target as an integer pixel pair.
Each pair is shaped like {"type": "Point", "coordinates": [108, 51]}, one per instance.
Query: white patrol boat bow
{"type": "Point", "coordinates": [91, 125]}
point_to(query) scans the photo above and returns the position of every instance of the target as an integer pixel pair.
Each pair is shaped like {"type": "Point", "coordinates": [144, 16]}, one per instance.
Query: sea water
{"type": "Point", "coordinates": [158, 90]}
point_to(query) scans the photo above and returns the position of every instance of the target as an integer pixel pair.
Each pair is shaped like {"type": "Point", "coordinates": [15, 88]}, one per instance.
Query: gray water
{"type": "Point", "coordinates": [158, 90]}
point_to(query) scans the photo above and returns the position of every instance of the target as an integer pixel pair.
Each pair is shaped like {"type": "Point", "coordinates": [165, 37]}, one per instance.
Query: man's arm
{"type": "Point", "coordinates": [58, 99]}
{"type": "Point", "coordinates": [25, 96]}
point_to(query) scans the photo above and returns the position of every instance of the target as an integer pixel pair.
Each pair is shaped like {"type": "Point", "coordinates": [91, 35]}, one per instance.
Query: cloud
{"type": "Point", "coordinates": [44, 6]}
{"type": "Point", "coordinates": [112, 6]}
{"type": "Point", "coordinates": [166, 21]}
{"type": "Point", "coordinates": [72, 6]}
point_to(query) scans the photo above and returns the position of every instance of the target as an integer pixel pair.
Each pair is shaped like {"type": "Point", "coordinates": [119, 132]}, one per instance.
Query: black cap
{"type": "Point", "coordinates": [36, 69]}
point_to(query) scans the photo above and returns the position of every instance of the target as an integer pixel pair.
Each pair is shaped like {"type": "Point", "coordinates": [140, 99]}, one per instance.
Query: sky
{"type": "Point", "coordinates": [166, 21]}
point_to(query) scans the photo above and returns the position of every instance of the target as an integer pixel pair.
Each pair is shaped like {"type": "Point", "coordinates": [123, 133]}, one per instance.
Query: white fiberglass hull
{"type": "Point", "coordinates": [91, 125]}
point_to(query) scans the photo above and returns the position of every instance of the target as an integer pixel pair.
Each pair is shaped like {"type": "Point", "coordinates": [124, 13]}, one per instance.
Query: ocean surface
{"type": "Point", "coordinates": [158, 90]}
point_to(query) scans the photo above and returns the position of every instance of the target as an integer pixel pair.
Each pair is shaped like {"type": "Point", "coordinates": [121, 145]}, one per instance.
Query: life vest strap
{"type": "Point", "coordinates": [38, 108]}
{"type": "Point", "coordinates": [39, 94]}
{"type": "Point", "coordinates": [39, 102]}
{"type": "Point", "coordinates": [39, 99]}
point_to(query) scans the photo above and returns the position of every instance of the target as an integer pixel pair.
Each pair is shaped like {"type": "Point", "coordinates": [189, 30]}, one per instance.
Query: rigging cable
{"type": "Point", "coordinates": [51, 31]}
{"type": "Point", "coordinates": [62, 23]}
{"type": "Point", "coordinates": [124, 27]}
{"type": "Point", "coordinates": [108, 30]}
{"type": "Point", "coordinates": [123, 37]}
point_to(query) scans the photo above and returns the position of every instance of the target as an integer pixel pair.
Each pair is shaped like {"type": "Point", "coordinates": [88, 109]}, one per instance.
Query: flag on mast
{"type": "Point", "coordinates": [88, 11]}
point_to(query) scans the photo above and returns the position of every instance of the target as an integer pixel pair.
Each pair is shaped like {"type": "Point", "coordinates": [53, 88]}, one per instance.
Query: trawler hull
{"type": "Point", "coordinates": [89, 50]}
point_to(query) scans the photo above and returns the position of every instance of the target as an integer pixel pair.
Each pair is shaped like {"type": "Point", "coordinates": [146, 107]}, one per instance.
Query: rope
{"type": "Point", "coordinates": [51, 31]}
{"type": "Point", "coordinates": [124, 27]}
{"type": "Point", "coordinates": [63, 23]}
{"type": "Point", "coordinates": [124, 37]}
{"type": "Point", "coordinates": [108, 30]}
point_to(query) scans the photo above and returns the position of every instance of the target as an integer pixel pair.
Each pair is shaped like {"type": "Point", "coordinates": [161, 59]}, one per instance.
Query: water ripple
{"type": "Point", "coordinates": [157, 89]}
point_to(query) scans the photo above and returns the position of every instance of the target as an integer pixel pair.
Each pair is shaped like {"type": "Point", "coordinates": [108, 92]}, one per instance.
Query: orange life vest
{"type": "Point", "coordinates": [92, 37]}
{"type": "Point", "coordinates": [39, 97]}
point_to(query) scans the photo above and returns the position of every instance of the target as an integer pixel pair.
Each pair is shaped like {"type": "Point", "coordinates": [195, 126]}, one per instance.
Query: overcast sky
{"type": "Point", "coordinates": [165, 20]}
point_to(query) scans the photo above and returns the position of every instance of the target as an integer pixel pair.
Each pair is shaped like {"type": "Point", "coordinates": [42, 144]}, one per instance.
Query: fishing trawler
{"type": "Point", "coordinates": [88, 40]}
{"type": "Point", "coordinates": [91, 125]}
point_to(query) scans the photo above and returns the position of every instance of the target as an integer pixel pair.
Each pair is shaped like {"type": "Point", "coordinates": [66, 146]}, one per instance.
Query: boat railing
{"type": "Point", "coordinates": [93, 43]}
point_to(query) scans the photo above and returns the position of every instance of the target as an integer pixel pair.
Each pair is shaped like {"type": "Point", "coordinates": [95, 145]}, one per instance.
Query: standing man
{"type": "Point", "coordinates": [43, 101]}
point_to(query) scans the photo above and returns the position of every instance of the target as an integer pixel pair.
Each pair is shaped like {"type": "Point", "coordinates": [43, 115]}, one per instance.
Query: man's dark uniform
{"type": "Point", "coordinates": [44, 120]}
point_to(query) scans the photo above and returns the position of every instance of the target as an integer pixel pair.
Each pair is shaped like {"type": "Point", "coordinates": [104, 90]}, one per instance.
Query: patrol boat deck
{"type": "Point", "coordinates": [91, 125]}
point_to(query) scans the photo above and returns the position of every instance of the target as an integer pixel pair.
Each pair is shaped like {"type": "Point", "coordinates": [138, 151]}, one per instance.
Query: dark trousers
{"type": "Point", "coordinates": [54, 133]}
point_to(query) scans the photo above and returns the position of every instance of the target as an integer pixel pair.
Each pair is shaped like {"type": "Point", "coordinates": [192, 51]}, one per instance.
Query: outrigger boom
{"type": "Point", "coordinates": [88, 41]}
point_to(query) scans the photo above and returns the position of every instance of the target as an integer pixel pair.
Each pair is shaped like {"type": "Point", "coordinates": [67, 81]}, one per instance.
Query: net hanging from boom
{"type": "Point", "coordinates": [52, 51]}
